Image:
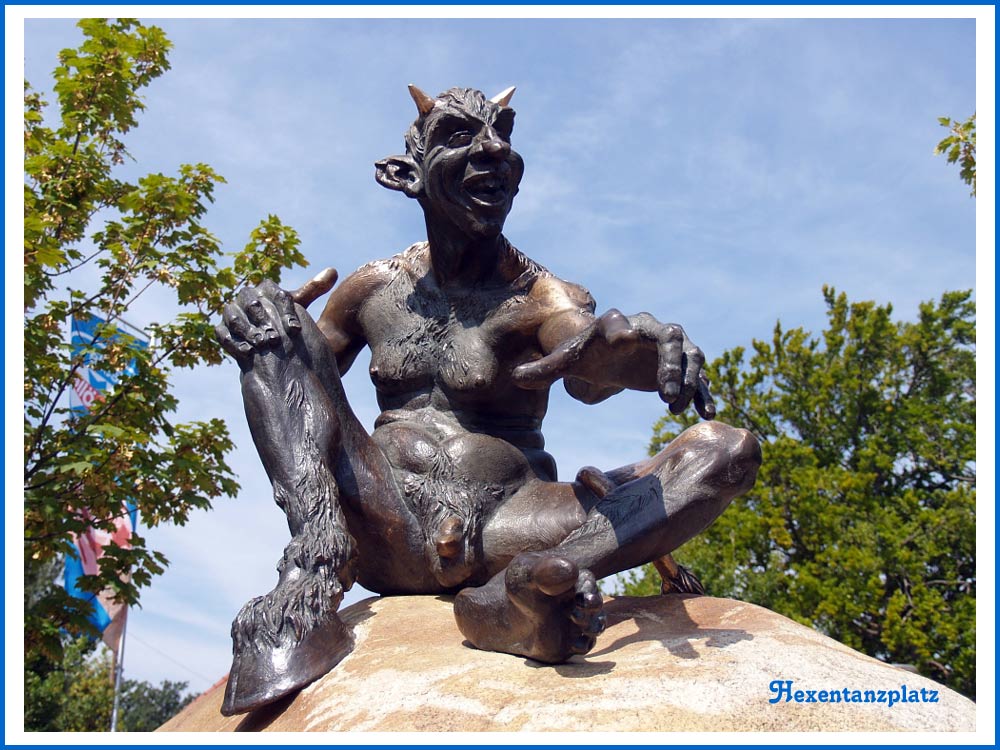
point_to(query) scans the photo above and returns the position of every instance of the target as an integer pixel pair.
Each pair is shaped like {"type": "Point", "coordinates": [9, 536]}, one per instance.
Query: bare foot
{"type": "Point", "coordinates": [543, 607]}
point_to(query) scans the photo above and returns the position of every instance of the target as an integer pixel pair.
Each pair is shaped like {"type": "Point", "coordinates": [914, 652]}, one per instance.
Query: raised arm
{"type": "Point", "coordinates": [340, 319]}
{"type": "Point", "coordinates": [600, 356]}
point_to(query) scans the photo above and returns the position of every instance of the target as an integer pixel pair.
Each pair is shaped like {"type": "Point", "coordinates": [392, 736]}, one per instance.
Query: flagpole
{"type": "Point", "coordinates": [118, 674]}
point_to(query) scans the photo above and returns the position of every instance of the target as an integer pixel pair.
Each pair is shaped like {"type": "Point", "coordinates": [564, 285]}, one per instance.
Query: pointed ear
{"type": "Point", "coordinates": [400, 173]}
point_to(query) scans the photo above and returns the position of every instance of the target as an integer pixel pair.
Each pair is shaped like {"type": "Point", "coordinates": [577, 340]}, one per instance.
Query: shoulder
{"type": "Point", "coordinates": [558, 295]}
{"type": "Point", "coordinates": [545, 287]}
{"type": "Point", "coordinates": [371, 276]}
{"type": "Point", "coordinates": [345, 302]}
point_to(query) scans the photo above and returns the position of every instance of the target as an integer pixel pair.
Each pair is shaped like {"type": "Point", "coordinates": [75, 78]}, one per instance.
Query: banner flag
{"type": "Point", "coordinates": [89, 387]}
{"type": "Point", "coordinates": [89, 384]}
{"type": "Point", "coordinates": [108, 615]}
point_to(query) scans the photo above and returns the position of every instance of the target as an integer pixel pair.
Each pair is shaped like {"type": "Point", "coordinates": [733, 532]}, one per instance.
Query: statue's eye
{"type": "Point", "coordinates": [459, 139]}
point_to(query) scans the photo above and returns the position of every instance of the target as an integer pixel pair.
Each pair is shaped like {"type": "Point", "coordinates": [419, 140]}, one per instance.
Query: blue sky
{"type": "Point", "coordinates": [715, 173]}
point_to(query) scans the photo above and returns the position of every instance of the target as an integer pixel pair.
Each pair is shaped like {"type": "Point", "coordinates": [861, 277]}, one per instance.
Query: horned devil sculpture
{"type": "Point", "coordinates": [453, 492]}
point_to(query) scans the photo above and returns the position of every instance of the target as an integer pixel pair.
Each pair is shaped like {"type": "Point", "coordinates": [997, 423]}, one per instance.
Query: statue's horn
{"type": "Point", "coordinates": [424, 103]}
{"type": "Point", "coordinates": [503, 98]}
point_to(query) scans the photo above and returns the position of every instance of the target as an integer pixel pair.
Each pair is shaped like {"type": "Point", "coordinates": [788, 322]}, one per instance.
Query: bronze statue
{"type": "Point", "coordinates": [453, 492]}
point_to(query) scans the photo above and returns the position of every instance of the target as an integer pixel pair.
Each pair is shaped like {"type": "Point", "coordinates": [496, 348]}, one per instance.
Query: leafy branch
{"type": "Point", "coordinates": [142, 235]}
{"type": "Point", "coordinates": [960, 146]}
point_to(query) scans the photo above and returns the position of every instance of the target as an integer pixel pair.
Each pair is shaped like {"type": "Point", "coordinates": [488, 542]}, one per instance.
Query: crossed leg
{"type": "Point", "coordinates": [545, 604]}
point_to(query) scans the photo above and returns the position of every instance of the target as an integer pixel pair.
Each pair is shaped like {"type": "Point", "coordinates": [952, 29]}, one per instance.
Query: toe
{"type": "Point", "coordinates": [588, 600]}
{"type": "Point", "coordinates": [448, 541]}
{"type": "Point", "coordinates": [589, 621]}
{"type": "Point", "coordinates": [586, 583]}
{"type": "Point", "coordinates": [585, 608]}
{"type": "Point", "coordinates": [597, 624]}
{"type": "Point", "coordinates": [554, 575]}
{"type": "Point", "coordinates": [582, 644]}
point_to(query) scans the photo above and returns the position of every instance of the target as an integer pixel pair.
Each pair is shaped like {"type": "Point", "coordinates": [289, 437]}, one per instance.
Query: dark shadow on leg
{"type": "Point", "coordinates": [669, 499]}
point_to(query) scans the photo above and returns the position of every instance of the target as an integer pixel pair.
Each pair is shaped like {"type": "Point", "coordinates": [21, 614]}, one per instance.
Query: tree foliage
{"type": "Point", "coordinates": [144, 707]}
{"type": "Point", "coordinates": [93, 244]}
{"type": "Point", "coordinates": [77, 695]}
{"type": "Point", "coordinates": [73, 695]}
{"type": "Point", "coordinates": [862, 521]}
{"type": "Point", "coordinates": [960, 146]}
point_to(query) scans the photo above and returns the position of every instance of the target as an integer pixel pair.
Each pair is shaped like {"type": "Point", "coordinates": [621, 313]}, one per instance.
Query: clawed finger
{"type": "Point", "coordinates": [669, 340]}
{"type": "Point", "coordinates": [319, 285]}
{"type": "Point", "coordinates": [236, 349]}
{"type": "Point", "coordinates": [670, 370]}
{"type": "Point", "coordinates": [704, 403]}
{"type": "Point", "coordinates": [693, 360]}
{"type": "Point", "coordinates": [236, 322]}
{"type": "Point", "coordinates": [285, 307]}
{"type": "Point", "coordinates": [261, 317]}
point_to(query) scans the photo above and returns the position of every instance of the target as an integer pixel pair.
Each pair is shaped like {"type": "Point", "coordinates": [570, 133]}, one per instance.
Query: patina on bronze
{"type": "Point", "coordinates": [453, 492]}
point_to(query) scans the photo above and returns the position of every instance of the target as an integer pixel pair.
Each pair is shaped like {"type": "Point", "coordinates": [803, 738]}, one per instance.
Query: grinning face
{"type": "Point", "coordinates": [470, 174]}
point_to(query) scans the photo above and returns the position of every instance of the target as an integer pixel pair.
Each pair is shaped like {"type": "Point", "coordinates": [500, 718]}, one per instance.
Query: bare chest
{"type": "Point", "coordinates": [461, 343]}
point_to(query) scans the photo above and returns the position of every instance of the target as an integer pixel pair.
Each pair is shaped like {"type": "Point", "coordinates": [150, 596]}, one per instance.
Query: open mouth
{"type": "Point", "coordinates": [486, 189]}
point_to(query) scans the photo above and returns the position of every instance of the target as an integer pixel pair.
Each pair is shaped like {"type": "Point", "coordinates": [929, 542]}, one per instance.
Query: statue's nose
{"type": "Point", "coordinates": [492, 145]}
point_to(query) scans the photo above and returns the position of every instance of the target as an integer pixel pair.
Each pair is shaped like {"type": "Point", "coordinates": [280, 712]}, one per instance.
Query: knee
{"type": "Point", "coordinates": [733, 454]}
{"type": "Point", "coordinates": [735, 442]}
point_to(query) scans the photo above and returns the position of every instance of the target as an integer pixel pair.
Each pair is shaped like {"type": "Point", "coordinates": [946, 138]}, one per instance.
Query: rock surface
{"type": "Point", "coordinates": [669, 663]}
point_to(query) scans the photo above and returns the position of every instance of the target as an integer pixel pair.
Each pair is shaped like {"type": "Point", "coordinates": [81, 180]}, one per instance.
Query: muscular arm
{"type": "Point", "coordinates": [574, 314]}
{"type": "Point", "coordinates": [600, 356]}
{"type": "Point", "coordinates": [340, 321]}
{"type": "Point", "coordinates": [604, 368]}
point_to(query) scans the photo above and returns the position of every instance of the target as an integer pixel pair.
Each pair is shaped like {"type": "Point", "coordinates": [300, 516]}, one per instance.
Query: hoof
{"type": "Point", "coordinates": [261, 674]}
{"type": "Point", "coordinates": [675, 578]}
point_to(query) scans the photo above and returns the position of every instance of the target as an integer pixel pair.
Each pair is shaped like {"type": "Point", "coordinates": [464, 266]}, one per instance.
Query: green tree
{"type": "Point", "coordinates": [72, 695]}
{"type": "Point", "coordinates": [144, 707]}
{"type": "Point", "coordinates": [93, 243]}
{"type": "Point", "coordinates": [77, 694]}
{"type": "Point", "coordinates": [862, 521]}
{"type": "Point", "coordinates": [960, 146]}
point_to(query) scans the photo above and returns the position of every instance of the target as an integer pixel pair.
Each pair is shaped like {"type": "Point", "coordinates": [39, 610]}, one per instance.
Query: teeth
{"type": "Point", "coordinates": [489, 182]}
{"type": "Point", "coordinates": [489, 189]}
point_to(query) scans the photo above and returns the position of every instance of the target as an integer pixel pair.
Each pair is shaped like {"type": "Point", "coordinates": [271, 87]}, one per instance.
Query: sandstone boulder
{"type": "Point", "coordinates": [664, 664]}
